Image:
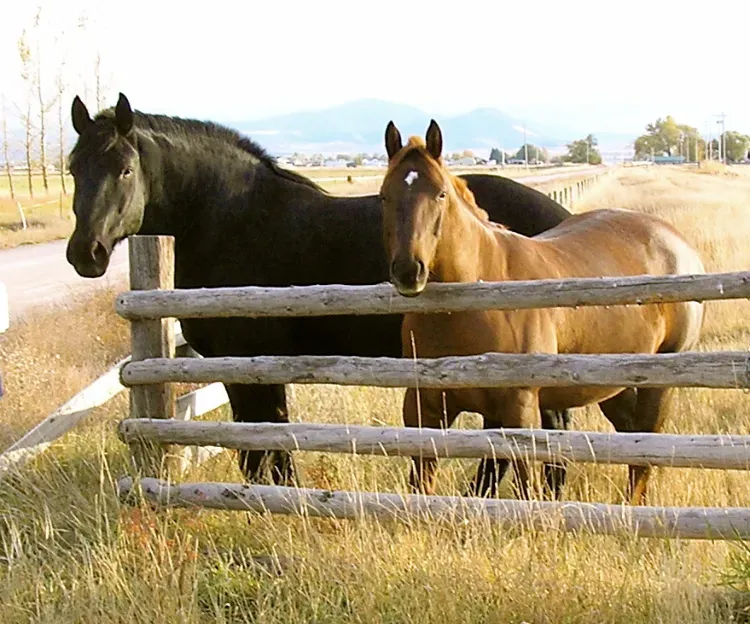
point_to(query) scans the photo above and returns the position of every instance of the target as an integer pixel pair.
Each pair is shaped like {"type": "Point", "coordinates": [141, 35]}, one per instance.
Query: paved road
{"type": "Point", "coordinates": [40, 275]}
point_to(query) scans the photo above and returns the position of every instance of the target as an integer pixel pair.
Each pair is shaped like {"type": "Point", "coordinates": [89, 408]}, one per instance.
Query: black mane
{"type": "Point", "coordinates": [195, 131]}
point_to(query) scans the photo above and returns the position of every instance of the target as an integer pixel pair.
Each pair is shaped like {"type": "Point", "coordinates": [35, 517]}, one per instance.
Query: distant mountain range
{"type": "Point", "coordinates": [358, 126]}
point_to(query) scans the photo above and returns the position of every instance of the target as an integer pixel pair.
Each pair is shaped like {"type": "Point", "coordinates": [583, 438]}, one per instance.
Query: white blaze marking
{"type": "Point", "coordinates": [410, 177]}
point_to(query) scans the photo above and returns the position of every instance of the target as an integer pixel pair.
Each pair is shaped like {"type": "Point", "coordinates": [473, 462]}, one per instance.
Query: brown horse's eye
{"type": "Point", "coordinates": [442, 195]}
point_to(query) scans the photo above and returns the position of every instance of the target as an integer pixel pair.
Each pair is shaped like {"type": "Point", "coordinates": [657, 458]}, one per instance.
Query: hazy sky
{"type": "Point", "coordinates": [600, 66]}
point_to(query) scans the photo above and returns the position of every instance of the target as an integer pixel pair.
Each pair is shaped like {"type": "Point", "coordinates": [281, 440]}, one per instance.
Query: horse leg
{"type": "Point", "coordinates": [426, 409]}
{"type": "Point", "coordinates": [633, 411]}
{"type": "Point", "coordinates": [521, 410]}
{"type": "Point", "coordinates": [490, 471]}
{"type": "Point", "coordinates": [260, 403]}
{"type": "Point", "coordinates": [555, 473]}
{"type": "Point", "coordinates": [652, 409]}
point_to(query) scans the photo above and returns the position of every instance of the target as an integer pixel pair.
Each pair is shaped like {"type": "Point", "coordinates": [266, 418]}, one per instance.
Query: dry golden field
{"type": "Point", "coordinates": [69, 552]}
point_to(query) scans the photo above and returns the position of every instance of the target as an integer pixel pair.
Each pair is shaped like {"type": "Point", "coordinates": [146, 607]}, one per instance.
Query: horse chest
{"type": "Point", "coordinates": [470, 333]}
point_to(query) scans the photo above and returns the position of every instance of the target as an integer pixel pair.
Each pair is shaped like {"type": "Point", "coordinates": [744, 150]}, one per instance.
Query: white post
{"type": "Point", "coordinates": [23, 215]}
{"type": "Point", "coordinates": [4, 309]}
{"type": "Point", "coordinates": [4, 321]}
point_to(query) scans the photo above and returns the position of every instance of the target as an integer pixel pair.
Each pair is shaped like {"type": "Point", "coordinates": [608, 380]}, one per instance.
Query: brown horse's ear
{"type": "Point", "coordinates": [434, 140]}
{"type": "Point", "coordinates": [80, 115]}
{"type": "Point", "coordinates": [393, 142]}
{"type": "Point", "coordinates": [123, 115]}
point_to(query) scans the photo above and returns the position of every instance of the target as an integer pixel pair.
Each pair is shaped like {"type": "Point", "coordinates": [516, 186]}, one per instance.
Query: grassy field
{"type": "Point", "coordinates": [49, 215]}
{"type": "Point", "coordinates": [71, 553]}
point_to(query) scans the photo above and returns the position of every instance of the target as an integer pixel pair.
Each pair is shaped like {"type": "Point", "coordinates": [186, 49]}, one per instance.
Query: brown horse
{"type": "Point", "coordinates": [434, 231]}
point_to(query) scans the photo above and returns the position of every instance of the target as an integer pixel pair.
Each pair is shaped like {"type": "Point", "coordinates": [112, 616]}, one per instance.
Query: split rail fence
{"type": "Point", "coordinates": [153, 304]}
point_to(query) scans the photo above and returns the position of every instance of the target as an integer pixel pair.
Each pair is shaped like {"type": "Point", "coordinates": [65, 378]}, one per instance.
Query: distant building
{"type": "Point", "coordinates": [668, 160]}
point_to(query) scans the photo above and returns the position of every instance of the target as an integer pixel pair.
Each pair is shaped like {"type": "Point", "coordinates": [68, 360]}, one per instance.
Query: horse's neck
{"type": "Point", "coordinates": [468, 248]}
{"type": "Point", "coordinates": [185, 182]}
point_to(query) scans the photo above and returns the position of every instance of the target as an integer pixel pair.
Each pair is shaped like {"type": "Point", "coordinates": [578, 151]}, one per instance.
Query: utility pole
{"type": "Point", "coordinates": [722, 138]}
{"type": "Point", "coordinates": [525, 147]}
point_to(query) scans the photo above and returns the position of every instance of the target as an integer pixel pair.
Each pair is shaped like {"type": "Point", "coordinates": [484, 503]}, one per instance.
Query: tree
{"type": "Point", "coordinates": [44, 105]}
{"type": "Point", "coordinates": [497, 155]}
{"type": "Point", "coordinates": [534, 153]}
{"type": "Point", "coordinates": [25, 56]}
{"type": "Point", "coordinates": [584, 151]}
{"type": "Point", "coordinates": [666, 137]}
{"type": "Point", "coordinates": [736, 145]}
{"type": "Point", "coordinates": [98, 80]}
{"type": "Point", "coordinates": [6, 150]}
{"type": "Point", "coordinates": [60, 84]}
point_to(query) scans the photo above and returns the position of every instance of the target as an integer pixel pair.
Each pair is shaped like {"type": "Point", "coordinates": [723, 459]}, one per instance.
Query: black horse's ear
{"type": "Point", "coordinates": [80, 115]}
{"type": "Point", "coordinates": [434, 140]}
{"type": "Point", "coordinates": [123, 115]}
{"type": "Point", "coordinates": [392, 140]}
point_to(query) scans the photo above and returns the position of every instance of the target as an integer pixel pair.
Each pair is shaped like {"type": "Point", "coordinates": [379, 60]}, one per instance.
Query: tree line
{"type": "Point", "coordinates": [666, 137]}
{"type": "Point", "coordinates": [581, 151]}
{"type": "Point", "coordinates": [52, 60]}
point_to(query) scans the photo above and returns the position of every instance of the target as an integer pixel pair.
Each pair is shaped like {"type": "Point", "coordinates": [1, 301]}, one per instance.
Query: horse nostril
{"type": "Point", "coordinates": [98, 252]}
{"type": "Point", "coordinates": [420, 269]}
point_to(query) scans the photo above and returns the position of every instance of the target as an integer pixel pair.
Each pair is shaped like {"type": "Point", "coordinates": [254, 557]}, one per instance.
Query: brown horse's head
{"type": "Point", "coordinates": [414, 193]}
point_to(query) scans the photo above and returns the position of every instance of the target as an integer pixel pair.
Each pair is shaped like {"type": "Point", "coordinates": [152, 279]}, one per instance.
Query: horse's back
{"type": "Point", "coordinates": [661, 247]}
{"type": "Point", "coordinates": [619, 242]}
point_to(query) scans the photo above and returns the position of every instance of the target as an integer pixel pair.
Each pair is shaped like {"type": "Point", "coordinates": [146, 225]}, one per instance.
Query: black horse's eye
{"type": "Point", "coordinates": [126, 173]}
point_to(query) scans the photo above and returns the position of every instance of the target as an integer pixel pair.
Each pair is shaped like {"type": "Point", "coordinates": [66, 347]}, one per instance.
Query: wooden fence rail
{"type": "Point", "coordinates": [723, 452]}
{"type": "Point", "coordinates": [74, 411]}
{"type": "Point", "coordinates": [596, 518]}
{"type": "Point", "coordinates": [499, 370]}
{"type": "Point", "coordinates": [326, 300]}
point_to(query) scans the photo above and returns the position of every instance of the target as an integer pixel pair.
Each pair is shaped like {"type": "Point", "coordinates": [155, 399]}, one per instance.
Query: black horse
{"type": "Point", "coordinates": [240, 219]}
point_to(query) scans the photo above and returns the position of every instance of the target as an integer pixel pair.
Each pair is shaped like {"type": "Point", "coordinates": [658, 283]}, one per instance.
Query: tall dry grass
{"type": "Point", "coordinates": [71, 553]}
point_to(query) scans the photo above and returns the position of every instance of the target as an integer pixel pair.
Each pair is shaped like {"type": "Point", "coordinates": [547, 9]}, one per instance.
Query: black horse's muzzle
{"type": "Point", "coordinates": [89, 258]}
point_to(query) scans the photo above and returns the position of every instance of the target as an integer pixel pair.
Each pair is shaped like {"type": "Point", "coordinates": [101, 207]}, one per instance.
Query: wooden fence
{"type": "Point", "coordinates": [151, 428]}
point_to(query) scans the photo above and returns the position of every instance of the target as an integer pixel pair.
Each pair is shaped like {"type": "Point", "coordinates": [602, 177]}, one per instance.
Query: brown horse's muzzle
{"type": "Point", "coordinates": [90, 258]}
{"type": "Point", "coordinates": [409, 276]}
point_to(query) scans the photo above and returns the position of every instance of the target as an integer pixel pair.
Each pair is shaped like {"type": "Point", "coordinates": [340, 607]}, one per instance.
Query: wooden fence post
{"type": "Point", "coordinates": [152, 268]}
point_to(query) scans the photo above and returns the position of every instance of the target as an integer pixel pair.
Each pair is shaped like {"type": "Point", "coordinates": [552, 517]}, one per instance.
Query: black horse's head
{"type": "Point", "coordinates": [110, 188]}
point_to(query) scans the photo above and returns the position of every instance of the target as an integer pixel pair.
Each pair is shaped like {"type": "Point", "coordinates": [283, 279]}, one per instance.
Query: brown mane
{"type": "Point", "coordinates": [417, 145]}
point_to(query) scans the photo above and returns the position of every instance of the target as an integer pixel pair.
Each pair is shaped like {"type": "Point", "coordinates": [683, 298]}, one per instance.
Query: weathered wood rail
{"type": "Point", "coordinates": [594, 518]}
{"type": "Point", "coordinates": [687, 369]}
{"type": "Point", "coordinates": [74, 411]}
{"type": "Point", "coordinates": [722, 452]}
{"type": "Point", "coordinates": [684, 370]}
{"type": "Point", "coordinates": [298, 301]}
